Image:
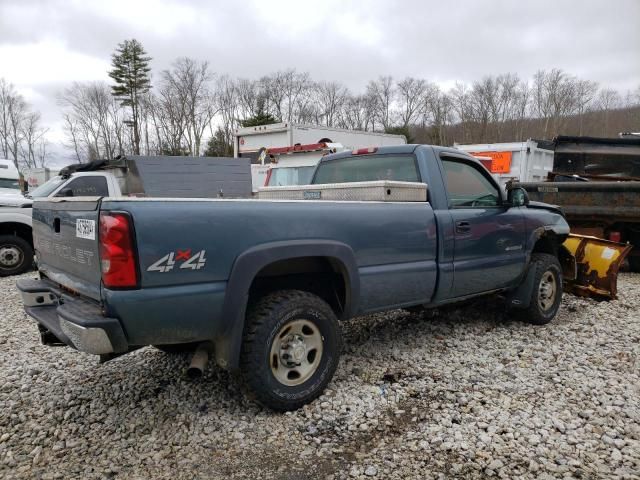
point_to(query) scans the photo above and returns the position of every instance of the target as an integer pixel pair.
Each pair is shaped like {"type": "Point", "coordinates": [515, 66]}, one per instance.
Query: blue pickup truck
{"type": "Point", "coordinates": [263, 285]}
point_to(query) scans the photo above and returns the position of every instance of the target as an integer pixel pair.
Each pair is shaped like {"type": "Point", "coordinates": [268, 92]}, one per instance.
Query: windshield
{"type": "Point", "coordinates": [368, 168]}
{"type": "Point", "coordinates": [46, 188]}
{"type": "Point", "coordinates": [290, 176]}
{"type": "Point", "coordinates": [10, 183]}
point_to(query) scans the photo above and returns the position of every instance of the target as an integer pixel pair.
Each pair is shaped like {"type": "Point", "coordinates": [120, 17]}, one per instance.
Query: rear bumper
{"type": "Point", "coordinates": [74, 321]}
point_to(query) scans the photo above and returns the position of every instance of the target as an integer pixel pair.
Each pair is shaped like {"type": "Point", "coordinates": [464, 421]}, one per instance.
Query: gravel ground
{"type": "Point", "coordinates": [465, 393]}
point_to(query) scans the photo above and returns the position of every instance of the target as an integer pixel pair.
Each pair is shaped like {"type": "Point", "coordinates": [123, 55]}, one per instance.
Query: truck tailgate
{"type": "Point", "coordinates": [65, 237]}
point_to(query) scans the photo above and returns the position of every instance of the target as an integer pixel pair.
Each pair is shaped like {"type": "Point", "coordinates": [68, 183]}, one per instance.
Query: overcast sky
{"type": "Point", "coordinates": [47, 44]}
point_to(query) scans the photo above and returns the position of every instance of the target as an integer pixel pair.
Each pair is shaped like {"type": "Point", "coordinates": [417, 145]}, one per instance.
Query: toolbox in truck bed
{"type": "Point", "coordinates": [374, 191]}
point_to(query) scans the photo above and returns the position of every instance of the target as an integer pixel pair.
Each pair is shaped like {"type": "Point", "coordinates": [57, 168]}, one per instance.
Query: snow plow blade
{"type": "Point", "coordinates": [597, 263]}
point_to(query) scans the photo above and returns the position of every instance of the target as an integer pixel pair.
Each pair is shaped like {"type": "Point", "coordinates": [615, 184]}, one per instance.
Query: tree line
{"type": "Point", "coordinates": [188, 109]}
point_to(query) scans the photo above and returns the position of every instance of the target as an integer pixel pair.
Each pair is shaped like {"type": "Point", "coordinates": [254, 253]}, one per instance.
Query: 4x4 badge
{"type": "Point", "coordinates": [190, 262]}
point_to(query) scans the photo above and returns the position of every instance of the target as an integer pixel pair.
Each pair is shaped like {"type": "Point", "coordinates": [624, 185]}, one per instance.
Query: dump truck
{"type": "Point", "coordinates": [529, 161]}
{"type": "Point", "coordinates": [596, 182]}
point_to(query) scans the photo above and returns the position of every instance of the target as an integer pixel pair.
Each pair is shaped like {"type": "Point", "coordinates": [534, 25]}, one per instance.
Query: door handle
{"type": "Point", "coordinates": [463, 227]}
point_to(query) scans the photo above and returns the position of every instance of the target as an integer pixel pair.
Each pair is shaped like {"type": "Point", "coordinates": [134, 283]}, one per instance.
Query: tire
{"type": "Point", "coordinates": [177, 348]}
{"type": "Point", "coordinates": [16, 255]}
{"type": "Point", "coordinates": [290, 350]}
{"type": "Point", "coordinates": [546, 295]}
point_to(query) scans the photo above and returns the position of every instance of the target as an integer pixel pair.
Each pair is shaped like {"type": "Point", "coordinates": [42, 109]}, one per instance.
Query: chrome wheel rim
{"type": "Point", "coordinates": [547, 291]}
{"type": "Point", "coordinates": [10, 256]}
{"type": "Point", "coordinates": [296, 352]}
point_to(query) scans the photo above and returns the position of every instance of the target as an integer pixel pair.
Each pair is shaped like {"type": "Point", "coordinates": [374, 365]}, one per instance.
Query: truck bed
{"type": "Point", "coordinates": [394, 245]}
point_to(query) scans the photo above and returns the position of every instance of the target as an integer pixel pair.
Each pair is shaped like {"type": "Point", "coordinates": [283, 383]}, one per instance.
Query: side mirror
{"type": "Point", "coordinates": [65, 192]}
{"type": "Point", "coordinates": [517, 197]}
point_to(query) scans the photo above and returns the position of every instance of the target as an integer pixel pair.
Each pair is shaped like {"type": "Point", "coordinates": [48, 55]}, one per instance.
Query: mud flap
{"type": "Point", "coordinates": [521, 296]}
{"type": "Point", "coordinates": [597, 264]}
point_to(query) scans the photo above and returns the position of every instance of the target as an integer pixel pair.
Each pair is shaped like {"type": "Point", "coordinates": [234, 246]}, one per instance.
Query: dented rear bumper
{"type": "Point", "coordinates": [71, 320]}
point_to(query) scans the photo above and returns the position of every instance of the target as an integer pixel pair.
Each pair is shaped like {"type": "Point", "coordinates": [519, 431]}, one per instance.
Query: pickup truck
{"type": "Point", "coordinates": [16, 242]}
{"type": "Point", "coordinates": [125, 176]}
{"type": "Point", "coordinates": [264, 284]}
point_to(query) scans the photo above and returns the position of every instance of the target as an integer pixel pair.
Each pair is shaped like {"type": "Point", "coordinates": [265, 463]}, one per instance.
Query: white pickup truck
{"type": "Point", "coordinates": [16, 244]}
{"type": "Point", "coordinates": [201, 177]}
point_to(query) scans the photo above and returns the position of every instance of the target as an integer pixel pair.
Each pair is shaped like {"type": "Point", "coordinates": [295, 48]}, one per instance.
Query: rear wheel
{"type": "Point", "coordinates": [547, 289]}
{"type": "Point", "coordinates": [16, 255]}
{"type": "Point", "coordinates": [290, 350]}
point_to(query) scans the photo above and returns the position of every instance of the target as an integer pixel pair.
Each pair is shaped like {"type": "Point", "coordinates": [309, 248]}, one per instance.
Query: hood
{"type": "Point", "coordinates": [546, 206]}
{"type": "Point", "coordinates": [9, 198]}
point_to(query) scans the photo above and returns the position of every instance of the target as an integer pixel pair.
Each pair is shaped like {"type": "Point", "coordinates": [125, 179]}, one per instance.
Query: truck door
{"type": "Point", "coordinates": [489, 237]}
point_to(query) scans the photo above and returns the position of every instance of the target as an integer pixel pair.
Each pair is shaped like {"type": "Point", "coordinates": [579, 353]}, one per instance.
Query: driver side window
{"type": "Point", "coordinates": [467, 186]}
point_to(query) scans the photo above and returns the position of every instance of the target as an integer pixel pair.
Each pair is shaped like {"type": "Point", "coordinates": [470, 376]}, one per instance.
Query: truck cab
{"type": "Point", "coordinates": [9, 179]}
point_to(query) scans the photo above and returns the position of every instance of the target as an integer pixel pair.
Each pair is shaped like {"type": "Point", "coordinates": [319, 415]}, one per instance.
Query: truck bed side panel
{"type": "Point", "coordinates": [394, 243]}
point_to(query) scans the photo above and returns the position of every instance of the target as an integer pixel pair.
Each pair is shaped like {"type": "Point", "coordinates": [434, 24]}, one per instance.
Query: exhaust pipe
{"type": "Point", "coordinates": [198, 361]}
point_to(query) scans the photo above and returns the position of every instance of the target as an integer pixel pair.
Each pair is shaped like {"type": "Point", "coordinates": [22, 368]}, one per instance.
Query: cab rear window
{"type": "Point", "coordinates": [367, 168]}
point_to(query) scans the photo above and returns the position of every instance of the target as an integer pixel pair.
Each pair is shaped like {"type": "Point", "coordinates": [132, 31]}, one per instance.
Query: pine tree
{"type": "Point", "coordinates": [260, 118]}
{"type": "Point", "coordinates": [131, 75]}
{"type": "Point", "coordinates": [217, 146]}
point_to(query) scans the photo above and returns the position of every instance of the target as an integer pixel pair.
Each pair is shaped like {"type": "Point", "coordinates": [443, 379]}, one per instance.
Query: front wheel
{"type": "Point", "coordinates": [291, 349]}
{"type": "Point", "coordinates": [16, 255]}
{"type": "Point", "coordinates": [547, 289]}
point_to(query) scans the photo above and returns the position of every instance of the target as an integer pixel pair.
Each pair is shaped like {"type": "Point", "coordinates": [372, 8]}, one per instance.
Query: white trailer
{"type": "Point", "coordinates": [34, 177]}
{"type": "Point", "coordinates": [256, 142]}
{"type": "Point", "coordinates": [515, 161]}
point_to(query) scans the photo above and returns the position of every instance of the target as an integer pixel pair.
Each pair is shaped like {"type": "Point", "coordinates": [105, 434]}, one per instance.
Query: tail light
{"type": "Point", "coordinates": [615, 237]}
{"type": "Point", "coordinates": [118, 259]}
{"type": "Point", "coordinates": [363, 151]}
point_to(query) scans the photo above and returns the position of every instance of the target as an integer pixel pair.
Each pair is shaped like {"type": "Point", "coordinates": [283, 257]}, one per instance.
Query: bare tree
{"type": "Point", "coordinates": [167, 115]}
{"type": "Point", "coordinates": [7, 101]}
{"type": "Point", "coordinates": [383, 93]}
{"type": "Point", "coordinates": [554, 98]}
{"type": "Point", "coordinates": [411, 94]}
{"type": "Point", "coordinates": [22, 139]}
{"type": "Point", "coordinates": [33, 148]}
{"type": "Point", "coordinates": [461, 106]}
{"type": "Point", "coordinates": [249, 97]}
{"type": "Point", "coordinates": [93, 121]}
{"type": "Point", "coordinates": [227, 107]}
{"type": "Point", "coordinates": [585, 92]}
{"type": "Point", "coordinates": [330, 100]}
{"type": "Point", "coordinates": [480, 101]}
{"type": "Point", "coordinates": [608, 99]}
{"type": "Point", "coordinates": [359, 113]}
{"type": "Point", "coordinates": [438, 113]}
{"type": "Point", "coordinates": [521, 106]}
{"type": "Point", "coordinates": [191, 80]}
{"type": "Point", "coordinates": [16, 115]}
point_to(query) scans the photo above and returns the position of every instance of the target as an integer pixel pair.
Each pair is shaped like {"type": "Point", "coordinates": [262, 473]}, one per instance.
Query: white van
{"type": "Point", "coordinates": [288, 141]}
